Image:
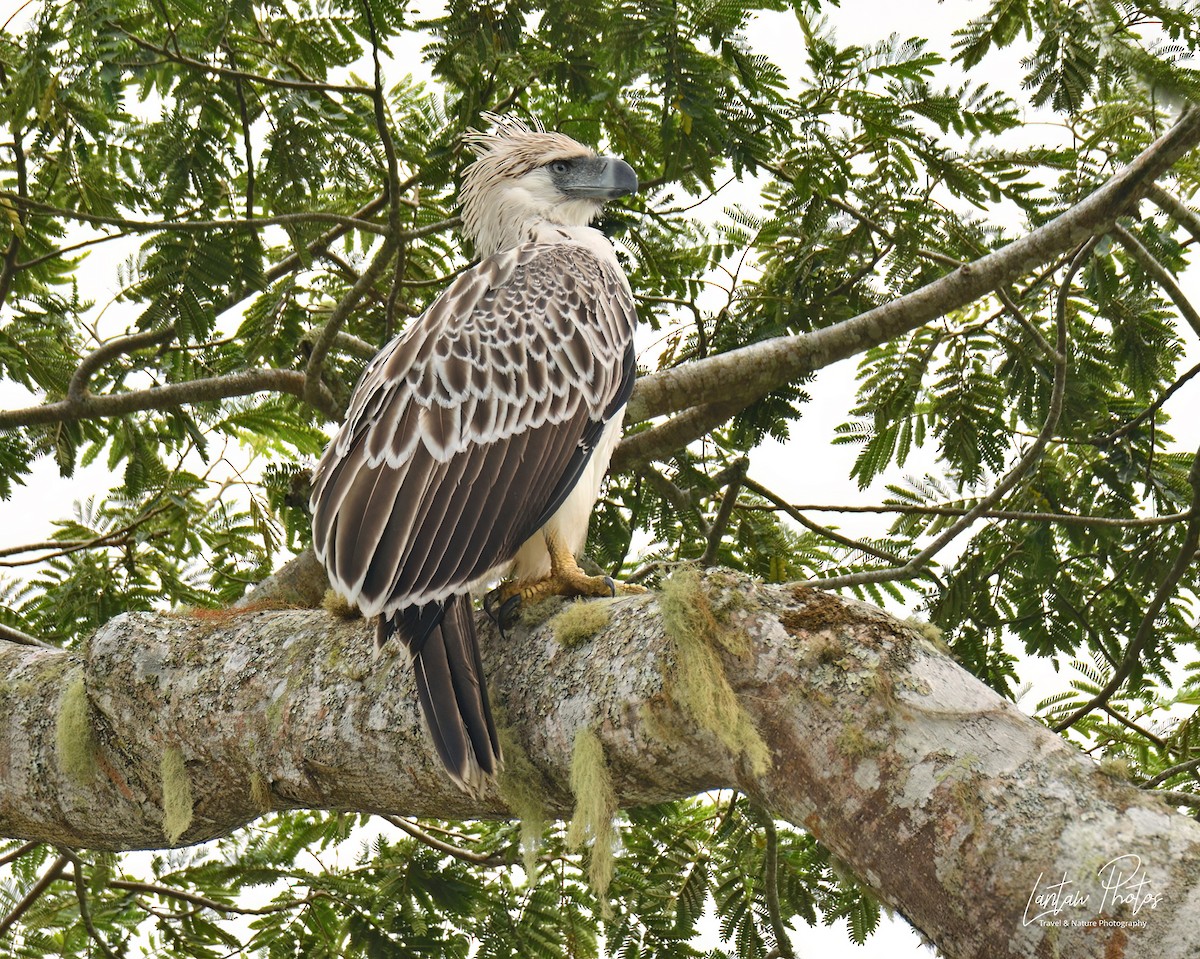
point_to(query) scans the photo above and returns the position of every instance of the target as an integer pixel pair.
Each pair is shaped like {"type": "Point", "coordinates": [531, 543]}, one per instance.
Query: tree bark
{"type": "Point", "coordinates": [954, 807]}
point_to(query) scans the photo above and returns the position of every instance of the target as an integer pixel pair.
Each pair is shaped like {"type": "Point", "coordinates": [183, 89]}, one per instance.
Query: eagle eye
{"type": "Point", "coordinates": [559, 166]}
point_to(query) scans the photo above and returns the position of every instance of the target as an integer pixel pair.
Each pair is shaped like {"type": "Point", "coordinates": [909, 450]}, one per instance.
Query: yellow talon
{"type": "Point", "coordinates": [565, 579]}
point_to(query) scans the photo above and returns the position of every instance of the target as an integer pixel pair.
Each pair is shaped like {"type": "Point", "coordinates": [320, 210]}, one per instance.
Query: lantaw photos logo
{"type": "Point", "coordinates": [1121, 895]}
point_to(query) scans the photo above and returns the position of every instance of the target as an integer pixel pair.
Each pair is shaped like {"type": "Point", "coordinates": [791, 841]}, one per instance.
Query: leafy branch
{"type": "Point", "coordinates": [742, 376]}
{"type": "Point", "coordinates": [1147, 628]}
{"type": "Point", "coordinates": [1013, 477]}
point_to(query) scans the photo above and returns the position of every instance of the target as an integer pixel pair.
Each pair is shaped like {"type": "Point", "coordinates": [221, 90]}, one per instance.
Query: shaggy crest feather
{"type": "Point", "coordinates": [498, 203]}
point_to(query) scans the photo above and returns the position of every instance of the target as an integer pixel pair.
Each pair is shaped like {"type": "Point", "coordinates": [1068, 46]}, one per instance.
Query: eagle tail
{"type": "Point", "coordinates": [441, 640]}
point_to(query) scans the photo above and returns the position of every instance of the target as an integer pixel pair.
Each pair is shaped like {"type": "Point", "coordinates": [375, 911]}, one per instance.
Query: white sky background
{"type": "Point", "coordinates": [807, 469]}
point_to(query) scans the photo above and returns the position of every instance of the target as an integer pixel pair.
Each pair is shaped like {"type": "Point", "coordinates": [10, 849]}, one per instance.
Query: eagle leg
{"type": "Point", "coordinates": [565, 579]}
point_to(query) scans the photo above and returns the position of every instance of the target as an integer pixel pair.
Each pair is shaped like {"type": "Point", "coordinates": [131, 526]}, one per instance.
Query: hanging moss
{"type": "Point", "coordinates": [260, 792]}
{"type": "Point", "coordinates": [176, 795]}
{"type": "Point", "coordinates": [595, 809]}
{"type": "Point", "coordinates": [74, 740]}
{"type": "Point", "coordinates": [580, 621]}
{"type": "Point", "coordinates": [698, 683]}
{"type": "Point", "coordinates": [522, 788]}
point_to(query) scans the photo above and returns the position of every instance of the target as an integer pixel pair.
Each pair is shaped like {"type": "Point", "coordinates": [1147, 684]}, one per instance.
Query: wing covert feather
{"type": "Point", "coordinates": [468, 426]}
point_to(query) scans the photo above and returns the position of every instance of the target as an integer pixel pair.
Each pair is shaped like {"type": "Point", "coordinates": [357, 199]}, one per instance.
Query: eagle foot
{"type": "Point", "coordinates": [503, 603]}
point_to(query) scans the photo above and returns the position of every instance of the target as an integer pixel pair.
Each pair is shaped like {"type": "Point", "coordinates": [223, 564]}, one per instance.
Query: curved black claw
{"type": "Point", "coordinates": [489, 604]}
{"type": "Point", "coordinates": [612, 585]}
{"type": "Point", "coordinates": [510, 612]}
{"type": "Point", "coordinates": [504, 615]}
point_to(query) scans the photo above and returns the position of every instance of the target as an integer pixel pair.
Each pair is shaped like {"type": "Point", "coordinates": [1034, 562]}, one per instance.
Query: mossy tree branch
{"type": "Point", "coordinates": [941, 796]}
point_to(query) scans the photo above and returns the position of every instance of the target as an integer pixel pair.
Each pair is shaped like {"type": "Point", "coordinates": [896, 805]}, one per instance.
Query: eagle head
{"type": "Point", "coordinates": [526, 174]}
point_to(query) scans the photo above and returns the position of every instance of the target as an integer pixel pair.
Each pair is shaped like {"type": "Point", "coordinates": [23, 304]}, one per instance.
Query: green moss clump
{"type": "Point", "coordinates": [522, 788]}
{"type": "Point", "coordinates": [857, 744]}
{"type": "Point", "coordinates": [337, 604]}
{"type": "Point", "coordinates": [532, 615]}
{"type": "Point", "coordinates": [595, 809]}
{"type": "Point", "coordinates": [176, 795]}
{"type": "Point", "coordinates": [74, 741]}
{"type": "Point", "coordinates": [580, 621]}
{"type": "Point", "coordinates": [699, 685]}
{"type": "Point", "coordinates": [932, 633]}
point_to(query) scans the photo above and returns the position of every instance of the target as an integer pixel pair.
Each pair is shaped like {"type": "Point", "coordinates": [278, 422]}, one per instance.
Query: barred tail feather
{"type": "Point", "coordinates": [441, 640]}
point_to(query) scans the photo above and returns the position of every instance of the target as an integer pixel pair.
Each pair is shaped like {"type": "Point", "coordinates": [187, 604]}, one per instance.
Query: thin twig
{"type": "Point", "coordinates": [169, 892]}
{"type": "Point", "coordinates": [190, 226]}
{"type": "Point", "coordinates": [323, 341]}
{"type": "Point", "coordinates": [9, 267]}
{"type": "Point", "coordinates": [720, 523]}
{"type": "Point", "coordinates": [783, 942]}
{"type": "Point", "coordinates": [1134, 727]}
{"type": "Point", "coordinates": [1066, 519]}
{"type": "Point", "coordinates": [1153, 407]}
{"type": "Point", "coordinates": [70, 248]}
{"type": "Point", "coordinates": [77, 391]}
{"type": "Point", "coordinates": [220, 71]}
{"type": "Point", "coordinates": [384, 130]}
{"type": "Point", "coordinates": [35, 892]}
{"type": "Point", "coordinates": [795, 513]}
{"type": "Point", "coordinates": [164, 397]}
{"type": "Point", "coordinates": [1166, 774]}
{"type": "Point", "coordinates": [247, 146]}
{"type": "Point", "coordinates": [1175, 208]}
{"type": "Point", "coordinates": [85, 912]}
{"type": "Point", "coordinates": [14, 635]}
{"type": "Point", "coordinates": [1027, 324]}
{"type": "Point", "coordinates": [55, 550]}
{"type": "Point", "coordinates": [1176, 798]}
{"type": "Point", "coordinates": [21, 850]}
{"type": "Point", "coordinates": [464, 855]}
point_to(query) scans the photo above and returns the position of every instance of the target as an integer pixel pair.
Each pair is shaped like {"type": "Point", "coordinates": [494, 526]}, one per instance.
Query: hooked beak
{"type": "Point", "coordinates": [604, 178]}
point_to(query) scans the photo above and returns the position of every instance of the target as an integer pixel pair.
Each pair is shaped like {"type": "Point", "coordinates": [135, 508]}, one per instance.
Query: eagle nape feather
{"type": "Point", "coordinates": [440, 639]}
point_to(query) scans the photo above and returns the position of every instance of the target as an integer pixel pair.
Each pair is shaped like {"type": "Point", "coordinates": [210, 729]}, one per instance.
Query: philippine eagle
{"type": "Point", "coordinates": [477, 439]}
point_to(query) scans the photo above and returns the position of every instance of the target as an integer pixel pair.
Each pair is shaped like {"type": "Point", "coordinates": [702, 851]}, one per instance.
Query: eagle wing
{"type": "Point", "coordinates": [468, 430]}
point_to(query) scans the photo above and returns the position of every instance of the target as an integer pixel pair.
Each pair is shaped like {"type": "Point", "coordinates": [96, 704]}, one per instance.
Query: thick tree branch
{"type": "Point", "coordinates": [164, 397]}
{"type": "Point", "coordinates": [745, 375]}
{"type": "Point", "coordinates": [951, 804]}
